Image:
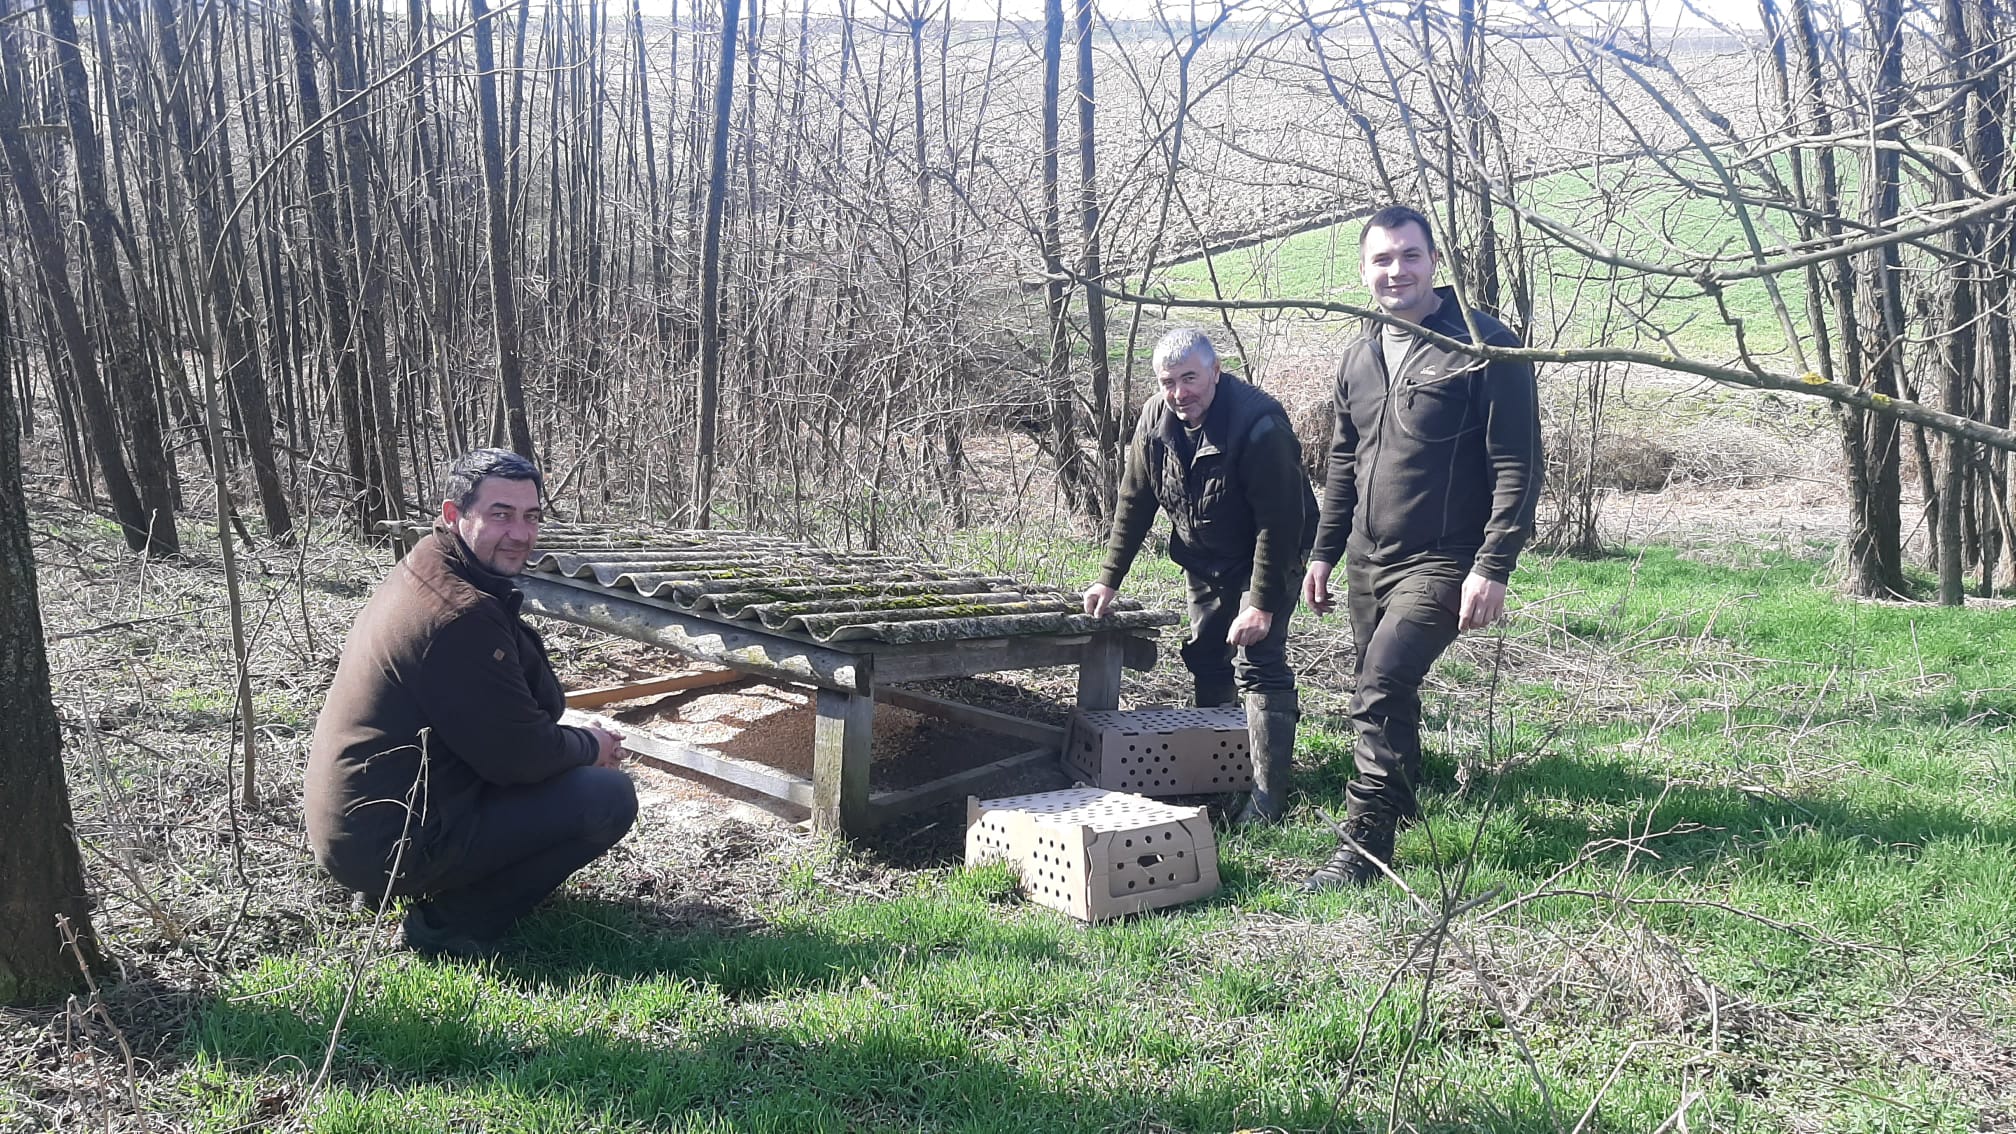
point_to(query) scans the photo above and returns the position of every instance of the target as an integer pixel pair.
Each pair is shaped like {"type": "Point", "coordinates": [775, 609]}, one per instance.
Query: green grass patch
{"type": "Point", "coordinates": [1578, 301]}
{"type": "Point", "coordinates": [1766, 842]}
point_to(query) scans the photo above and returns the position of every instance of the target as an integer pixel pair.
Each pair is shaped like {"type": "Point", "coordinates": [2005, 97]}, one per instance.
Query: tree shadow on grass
{"type": "Point", "coordinates": [408, 1063]}
{"type": "Point", "coordinates": [571, 938]}
{"type": "Point", "coordinates": [1559, 804]}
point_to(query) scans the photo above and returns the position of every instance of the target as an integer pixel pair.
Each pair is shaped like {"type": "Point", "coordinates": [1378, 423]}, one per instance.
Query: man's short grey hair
{"type": "Point", "coordinates": [471, 469]}
{"type": "Point", "coordinates": [1180, 343]}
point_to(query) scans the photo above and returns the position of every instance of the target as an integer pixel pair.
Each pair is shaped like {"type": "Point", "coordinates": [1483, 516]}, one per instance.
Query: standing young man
{"type": "Point", "coordinates": [440, 770]}
{"type": "Point", "coordinates": [1434, 472]}
{"type": "Point", "coordinates": [1220, 457]}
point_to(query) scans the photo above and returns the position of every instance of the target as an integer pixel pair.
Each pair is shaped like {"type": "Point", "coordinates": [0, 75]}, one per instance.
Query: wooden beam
{"type": "Point", "coordinates": [609, 694]}
{"type": "Point", "coordinates": [890, 804]}
{"type": "Point", "coordinates": [1099, 672]}
{"type": "Point", "coordinates": [842, 738]}
{"type": "Point", "coordinates": [975, 656]}
{"type": "Point", "coordinates": [974, 715]}
{"type": "Point", "coordinates": [747, 649]}
{"type": "Point", "coordinates": [669, 754]}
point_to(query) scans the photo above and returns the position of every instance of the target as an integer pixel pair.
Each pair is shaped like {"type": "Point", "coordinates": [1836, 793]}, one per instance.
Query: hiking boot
{"type": "Point", "coordinates": [1350, 866]}
{"type": "Point", "coordinates": [428, 936]}
{"type": "Point", "coordinates": [1270, 726]}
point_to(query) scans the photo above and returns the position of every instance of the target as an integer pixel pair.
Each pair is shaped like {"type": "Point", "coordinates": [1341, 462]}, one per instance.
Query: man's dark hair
{"type": "Point", "coordinates": [472, 468]}
{"type": "Point", "coordinates": [1394, 216]}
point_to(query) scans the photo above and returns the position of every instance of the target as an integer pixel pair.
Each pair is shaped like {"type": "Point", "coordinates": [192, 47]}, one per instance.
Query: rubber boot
{"type": "Point", "coordinates": [1270, 727]}
{"type": "Point", "coordinates": [1351, 867]}
{"type": "Point", "coordinates": [1213, 692]}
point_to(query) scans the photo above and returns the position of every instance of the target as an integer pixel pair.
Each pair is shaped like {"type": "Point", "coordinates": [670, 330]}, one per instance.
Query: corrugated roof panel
{"type": "Point", "coordinates": [829, 596]}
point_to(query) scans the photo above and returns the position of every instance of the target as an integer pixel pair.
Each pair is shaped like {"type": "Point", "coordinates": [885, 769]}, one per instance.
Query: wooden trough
{"type": "Point", "coordinates": [851, 625]}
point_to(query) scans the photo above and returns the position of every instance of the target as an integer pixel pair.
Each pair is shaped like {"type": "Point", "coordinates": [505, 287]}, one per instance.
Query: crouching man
{"type": "Point", "coordinates": [1220, 457]}
{"type": "Point", "coordinates": [440, 771]}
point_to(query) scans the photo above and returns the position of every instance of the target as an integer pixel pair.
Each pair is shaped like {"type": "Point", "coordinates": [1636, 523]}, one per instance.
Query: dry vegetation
{"type": "Point", "coordinates": [1580, 952]}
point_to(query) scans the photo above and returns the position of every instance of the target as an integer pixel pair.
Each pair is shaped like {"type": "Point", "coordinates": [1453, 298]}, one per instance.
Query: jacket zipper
{"type": "Point", "coordinates": [1385, 409]}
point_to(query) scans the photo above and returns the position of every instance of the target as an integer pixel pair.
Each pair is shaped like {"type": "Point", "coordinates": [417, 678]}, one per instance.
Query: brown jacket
{"type": "Point", "coordinates": [439, 647]}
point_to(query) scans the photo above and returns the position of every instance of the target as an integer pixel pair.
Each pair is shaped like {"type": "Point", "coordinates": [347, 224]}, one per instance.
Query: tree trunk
{"type": "Point", "coordinates": [1956, 348]}
{"type": "Point", "coordinates": [1483, 258]}
{"type": "Point", "coordinates": [41, 872]}
{"type": "Point", "coordinates": [1876, 538]}
{"type": "Point", "coordinates": [503, 294]}
{"type": "Point", "coordinates": [1080, 491]}
{"type": "Point", "coordinates": [1104, 420]}
{"type": "Point", "coordinates": [1987, 147]}
{"type": "Point", "coordinates": [230, 296]}
{"type": "Point", "coordinates": [101, 421]}
{"type": "Point", "coordinates": [132, 380]}
{"type": "Point", "coordinates": [326, 241]}
{"type": "Point", "coordinates": [385, 498]}
{"type": "Point", "coordinates": [710, 272]}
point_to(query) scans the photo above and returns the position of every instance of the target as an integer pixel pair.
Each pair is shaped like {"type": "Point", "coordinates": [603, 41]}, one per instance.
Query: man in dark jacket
{"type": "Point", "coordinates": [1221, 458]}
{"type": "Point", "coordinates": [440, 770]}
{"type": "Point", "coordinates": [1434, 471]}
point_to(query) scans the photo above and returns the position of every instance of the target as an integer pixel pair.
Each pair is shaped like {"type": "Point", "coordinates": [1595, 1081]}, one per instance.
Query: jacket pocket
{"type": "Point", "coordinates": [1208, 484]}
{"type": "Point", "coordinates": [1437, 407]}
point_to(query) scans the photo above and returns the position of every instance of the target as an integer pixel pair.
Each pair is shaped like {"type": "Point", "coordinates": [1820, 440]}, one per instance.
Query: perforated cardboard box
{"type": "Point", "coordinates": [1161, 751]}
{"type": "Point", "coordinates": [1096, 854]}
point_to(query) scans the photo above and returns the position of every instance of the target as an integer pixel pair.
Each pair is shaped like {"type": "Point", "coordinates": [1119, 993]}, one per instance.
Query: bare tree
{"type": "Point", "coordinates": [710, 272]}
{"type": "Point", "coordinates": [131, 375]}
{"type": "Point", "coordinates": [41, 873]}
{"type": "Point", "coordinates": [497, 229]}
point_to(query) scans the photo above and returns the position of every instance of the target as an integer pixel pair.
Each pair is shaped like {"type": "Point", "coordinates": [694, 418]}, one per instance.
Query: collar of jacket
{"type": "Point", "coordinates": [1211, 438]}
{"type": "Point", "coordinates": [1446, 319]}
{"type": "Point", "coordinates": [459, 559]}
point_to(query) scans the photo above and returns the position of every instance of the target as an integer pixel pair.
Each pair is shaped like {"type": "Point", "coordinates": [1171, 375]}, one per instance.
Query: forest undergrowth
{"type": "Point", "coordinates": [1707, 846]}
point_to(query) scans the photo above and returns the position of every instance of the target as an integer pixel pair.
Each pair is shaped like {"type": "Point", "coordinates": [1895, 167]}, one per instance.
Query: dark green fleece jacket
{"type": "Point", "coordinates": [1439, 461]}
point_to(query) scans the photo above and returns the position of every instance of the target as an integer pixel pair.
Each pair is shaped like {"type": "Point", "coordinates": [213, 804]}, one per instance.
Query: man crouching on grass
{"type": "Point", "coordinates": [440, 771]}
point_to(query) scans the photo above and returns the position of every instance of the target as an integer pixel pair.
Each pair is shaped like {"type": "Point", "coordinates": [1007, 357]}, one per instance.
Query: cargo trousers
{"type": "Point", "coordinates": [1220, 670]}
{"type": "Point", "coordinates": [517, 846]}
{"type": "Point", "coordinates": [1402, 618]}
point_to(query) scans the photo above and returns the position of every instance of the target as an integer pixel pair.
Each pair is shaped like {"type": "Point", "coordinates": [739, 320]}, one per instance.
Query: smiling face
{"type": "Point", "coordinates": [1399, 269]}
{"type": "Point", "coordinates": [501, 523]}
{"type": "Point", "coordinates": [1188, 385]}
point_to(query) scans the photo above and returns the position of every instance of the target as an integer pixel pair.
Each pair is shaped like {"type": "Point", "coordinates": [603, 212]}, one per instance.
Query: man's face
{"type": "Point", "coordinates": [501, 523]}
{"type": "Point", "coordinates": [1400, 271]}
{"type": "Point", "coordinates": [1188, 385]}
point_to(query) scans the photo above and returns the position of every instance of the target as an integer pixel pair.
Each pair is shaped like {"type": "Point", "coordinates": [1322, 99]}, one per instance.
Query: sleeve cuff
{"type": "Point", "coordinates": [1269, 601]}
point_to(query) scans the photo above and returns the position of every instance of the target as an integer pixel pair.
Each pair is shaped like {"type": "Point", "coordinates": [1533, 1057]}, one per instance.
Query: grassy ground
{"type": "Point", "coordinates": [1578, 303]}
{"type": "Point", "coordinates": [1706, 848]}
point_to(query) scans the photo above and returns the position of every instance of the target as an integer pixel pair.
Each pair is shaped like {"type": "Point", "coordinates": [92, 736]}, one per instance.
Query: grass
{"type": "Point", "coordinates": [1756, 865]}
{"type": "Point", "coordinates": [1578, 302]}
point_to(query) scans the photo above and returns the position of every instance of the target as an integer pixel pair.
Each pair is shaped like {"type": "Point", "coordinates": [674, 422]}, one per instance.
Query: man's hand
{"type": "Point", "coordinates": [1483, 603]}
{"type": "Point", "coordinates": [608, 747]}
{"type": "Point", "coordinates": [1251, 626]}
{"type": "Point", "coordinates": [1316, 587]}
{"type": "Point", "coordinates": [1098, 599]}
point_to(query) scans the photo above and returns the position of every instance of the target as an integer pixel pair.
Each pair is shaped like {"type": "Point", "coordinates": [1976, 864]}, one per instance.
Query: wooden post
{"type": "Point", "coordinates": [1099, 672]}
{"type": "Point", "coordinates": [841, 739]}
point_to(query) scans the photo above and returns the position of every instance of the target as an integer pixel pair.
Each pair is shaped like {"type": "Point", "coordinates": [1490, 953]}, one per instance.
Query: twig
{"type": "Point", "coordinates": [415, 796]}
{"type": "Point", "coordinates": [126, 622]}
{"type": "Point", "coordinates": [95, 1008]}
{"type": "Point", "coordinates": [1806, 932]}
{"type": "Point", "coordinates": [1442, 929]}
